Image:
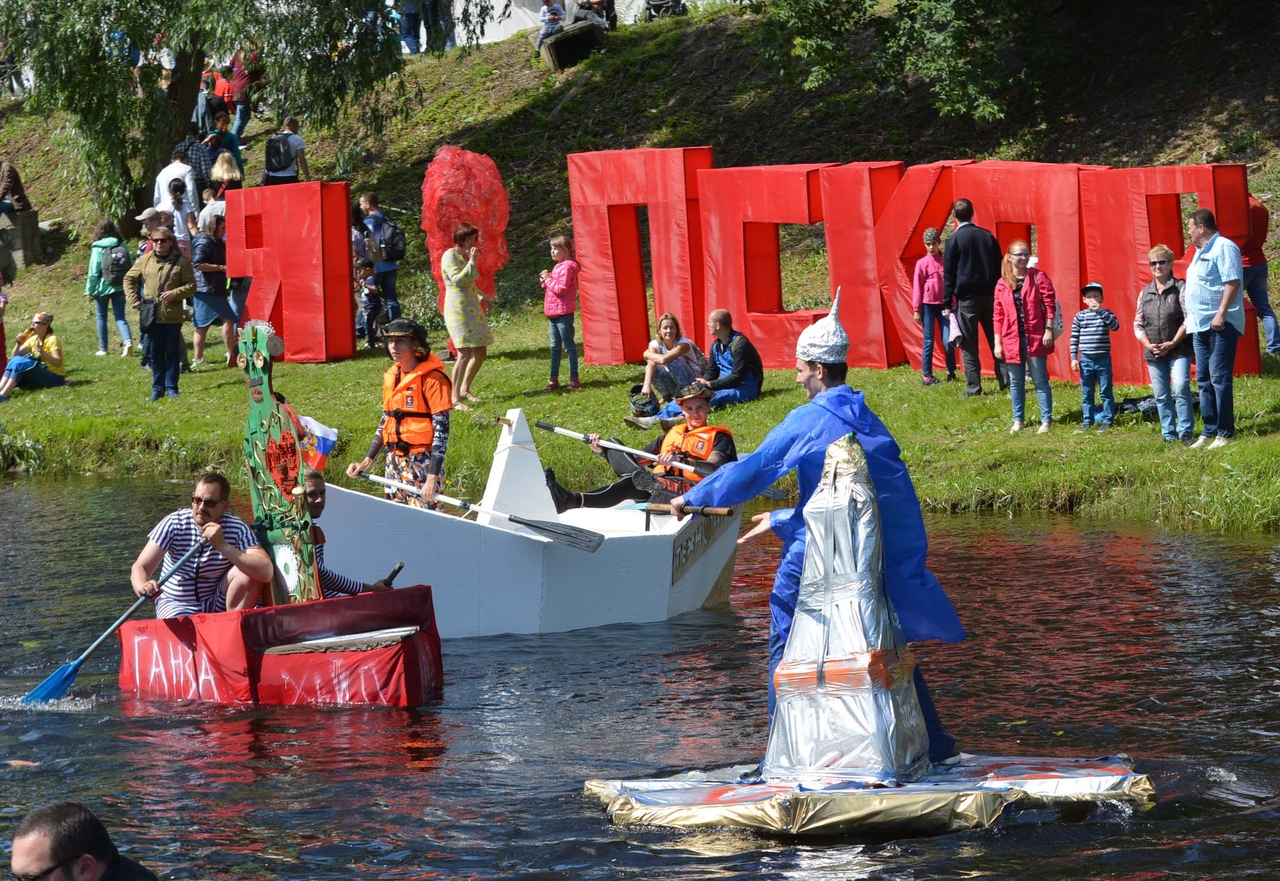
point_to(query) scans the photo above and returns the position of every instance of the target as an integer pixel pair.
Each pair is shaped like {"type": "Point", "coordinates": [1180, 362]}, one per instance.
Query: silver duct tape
{"type": "Point", "coordinates": [847, 708]}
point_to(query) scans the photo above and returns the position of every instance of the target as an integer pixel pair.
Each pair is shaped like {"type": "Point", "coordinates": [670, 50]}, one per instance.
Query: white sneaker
{"type": "Point", "coordinates": [1017, 427]}
{"type": "Point", "coordinates": [1044, 428]}
{"type": "Point", "coordinates": [1219, 442]}
{"type": "Point", "coordinates": [100, 352]}
{"type": "Point", "coordinates": [126, 349]}
{"type": "Point", "coordinates": [1201, 443]}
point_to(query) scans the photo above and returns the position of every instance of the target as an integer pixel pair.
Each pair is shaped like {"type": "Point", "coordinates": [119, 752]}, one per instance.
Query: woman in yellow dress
{"type": "Point", "coordinates": [462, 313]}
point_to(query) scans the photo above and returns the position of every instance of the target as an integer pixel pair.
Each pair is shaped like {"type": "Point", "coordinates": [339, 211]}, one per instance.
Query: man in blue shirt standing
{"type": "Point", "coordinates": [800, 442]}
{"type": "Point", "coordinates": [384, 271]}
{"type": "Point", "coordinates": [1215, 322]}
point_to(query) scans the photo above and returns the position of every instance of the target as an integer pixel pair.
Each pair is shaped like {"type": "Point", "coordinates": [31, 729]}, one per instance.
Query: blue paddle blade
{"type": "Point", "coordinates": [55, 686]}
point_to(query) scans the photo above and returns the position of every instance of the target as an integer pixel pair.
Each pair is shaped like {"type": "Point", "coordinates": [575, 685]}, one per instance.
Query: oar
{"type": "Point", "coordinates": [574, 536]}
{"type": "Point", "coordinates": [57, 684]}
{"type": "Point", "coordinates": [700, 470]}
{"type": "Point", "coordinates": [661, 508]}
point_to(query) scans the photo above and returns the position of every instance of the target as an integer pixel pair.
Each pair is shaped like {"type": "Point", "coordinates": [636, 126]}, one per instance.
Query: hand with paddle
{"type": "Point", "coordinates": [64, 677]}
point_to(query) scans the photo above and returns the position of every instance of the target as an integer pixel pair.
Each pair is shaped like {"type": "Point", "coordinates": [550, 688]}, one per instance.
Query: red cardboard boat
{"type": "Point", "coordinates": [375, 649]}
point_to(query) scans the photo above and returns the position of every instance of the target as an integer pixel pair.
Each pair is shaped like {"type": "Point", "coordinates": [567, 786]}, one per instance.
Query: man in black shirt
{"type": "Point", "coordinates": [66, 840]}
{"type": "Point", "coordinates": [970, 270]}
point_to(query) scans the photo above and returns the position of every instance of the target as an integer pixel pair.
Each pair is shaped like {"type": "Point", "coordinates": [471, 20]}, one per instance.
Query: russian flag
{"type": "Point", "coordinates": [318, 443]}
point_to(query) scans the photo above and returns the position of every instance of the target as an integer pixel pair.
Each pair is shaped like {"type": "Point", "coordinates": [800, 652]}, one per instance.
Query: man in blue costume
{"type": "Point", "coordinates": [800, 442]}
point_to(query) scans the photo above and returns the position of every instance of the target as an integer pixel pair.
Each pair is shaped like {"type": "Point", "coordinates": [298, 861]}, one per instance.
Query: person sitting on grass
{"type": "Point", "coordinates": [672, 360]}
{"type": "Point", "coordinates": [734, 373]}
{"type": "Point", "coordinates": [693, 442]}
{"type": "Point", "coordinates": [36, 361]}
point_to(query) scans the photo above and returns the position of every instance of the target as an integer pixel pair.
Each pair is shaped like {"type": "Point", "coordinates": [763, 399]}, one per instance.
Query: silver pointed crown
{"type": "Point", "coordinates": [825, 341]}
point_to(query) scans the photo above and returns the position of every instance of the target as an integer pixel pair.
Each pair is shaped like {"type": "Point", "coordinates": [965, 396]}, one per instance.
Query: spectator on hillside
{"type": "Point", "coordinates": [734, 373]}
{"type": "Point", "coordinates": [246, 73]}
{"type": "Point", "coordinates": [209, 259]}
{"type": "Point", "coordinates": [468, 327]}
{"type": "Point", "coordinates": [36, 361]}
{"type": "Point", "coordinates": [13, 197]}
{"type": "Point", "coordinates": [410, 25]}
{"type": "Point", "coordinates": [286, 156]}
{"type": "Point", "coordinates": [386, 271]}
{"type": "Point", "coordinates": [185, 221]}
{"type": "Point", "coordinates": [928, 308]}
{"type": "Point", "coordinates": [1022, 316]}
{"type": "Point", "coordinates": [552, 17]}
{"type": "Point", "coordinates": [229, 142]}
{"type": "Point", "coordinates": [4, 346]}
{"type": "Point", "coordinates": [1254, 263]}
{"type": "Point", "coordinates": [178, 169]}
{"type": "Point", "coordinates": [971, 268]}
{"type": "Point", "coordinates": [164, 275]}
{"type": "Point", "coordinates": [197, 157]}
{"type": "Point", "coordinates": [1158, 324]}
{"type": "Point", "coordinates": [599, 12]}
{"type": "Point", "coordinates": [438, 17]}
{"type": "Point", "coordinates": [559, 302]}
{"type": "Point", "coordinates": [1215, 321]}
{"type": "Point", "coordinates": [108, 262]}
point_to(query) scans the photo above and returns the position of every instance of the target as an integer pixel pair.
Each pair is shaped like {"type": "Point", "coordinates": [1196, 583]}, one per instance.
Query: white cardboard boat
{"type": "Point", "coordinates": [490, 576]}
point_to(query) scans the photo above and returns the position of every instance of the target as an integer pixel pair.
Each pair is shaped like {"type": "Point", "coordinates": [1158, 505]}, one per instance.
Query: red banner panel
{"type": "Point", "coordinates": [1125, 212]}
{"type": "Point", "coordinates": [607, 189]}
{"type": "Point", "coordinates": [294, 241]}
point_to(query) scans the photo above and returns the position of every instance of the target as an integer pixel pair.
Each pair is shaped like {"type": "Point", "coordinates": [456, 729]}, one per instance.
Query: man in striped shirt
{"type": "Point", "coordinates": [228, 573]}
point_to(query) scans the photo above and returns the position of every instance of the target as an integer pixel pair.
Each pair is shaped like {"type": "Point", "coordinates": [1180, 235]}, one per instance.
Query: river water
{"type": "Point", "coordinates": [1083, 641]}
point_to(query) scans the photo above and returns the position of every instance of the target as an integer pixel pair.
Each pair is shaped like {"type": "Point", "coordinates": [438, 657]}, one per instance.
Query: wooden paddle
{"type": "Point", "coordinates": [57, 684]}
{"type": "Point", "coordinates": [700, 470]}
{"type": "Point", "coordinates": [573, 536]}
{"type": "Point", "coordinates": [704, 510]}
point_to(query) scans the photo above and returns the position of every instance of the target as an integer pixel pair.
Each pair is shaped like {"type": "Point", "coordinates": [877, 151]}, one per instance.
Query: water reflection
{"type": "Point", "coordinates": [1082, 641]}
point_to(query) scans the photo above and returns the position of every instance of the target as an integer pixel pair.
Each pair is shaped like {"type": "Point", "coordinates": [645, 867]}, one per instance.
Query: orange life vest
{"type": "Point", "coordinates": [407, 400]}
{"type": "Point", "coordinates": [692, 444]}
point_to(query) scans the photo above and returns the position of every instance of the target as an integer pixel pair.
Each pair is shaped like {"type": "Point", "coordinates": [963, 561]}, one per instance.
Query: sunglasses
{"type": "Point", "coordinates": [1157, 262]}
{"type": "Point", "coordinates": [162, 239]}
{"type": "Point", "coordinates": [39, 876]}
{"type": "Point", "coordinates": [201, 502]}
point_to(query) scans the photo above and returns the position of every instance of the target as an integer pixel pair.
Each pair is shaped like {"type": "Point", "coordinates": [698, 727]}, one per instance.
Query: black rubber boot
{"type": "Point", "coordinates": [560, 497]}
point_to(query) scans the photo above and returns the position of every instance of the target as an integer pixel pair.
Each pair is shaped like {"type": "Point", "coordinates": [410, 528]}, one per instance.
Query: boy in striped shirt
{"type": "Point", "coordinates": [1091, 356]}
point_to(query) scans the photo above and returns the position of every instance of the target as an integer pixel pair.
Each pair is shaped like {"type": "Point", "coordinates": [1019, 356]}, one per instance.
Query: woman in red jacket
{"type": "Point", "coordinates": [1023, 317]}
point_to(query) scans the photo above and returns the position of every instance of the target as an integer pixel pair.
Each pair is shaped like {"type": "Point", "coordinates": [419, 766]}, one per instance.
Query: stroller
{"type": "Point", "coordinates": [663, 8]}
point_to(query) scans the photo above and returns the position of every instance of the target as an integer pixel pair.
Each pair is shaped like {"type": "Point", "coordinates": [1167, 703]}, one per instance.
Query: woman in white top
{"type": "Point", "coordinates": [672, 361]}
{"type": "Point", "coordinates": [184, 216]}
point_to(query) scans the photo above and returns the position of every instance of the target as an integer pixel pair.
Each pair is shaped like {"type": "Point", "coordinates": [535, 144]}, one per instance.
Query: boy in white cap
{"type": "Point", "coordinates": [800, 442]}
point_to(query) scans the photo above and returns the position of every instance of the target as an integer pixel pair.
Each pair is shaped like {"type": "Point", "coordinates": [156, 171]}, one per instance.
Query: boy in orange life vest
{"type": "Point", "coordinates": [416, 400]}
{"type": "Point", "coordinates": [693, 443]}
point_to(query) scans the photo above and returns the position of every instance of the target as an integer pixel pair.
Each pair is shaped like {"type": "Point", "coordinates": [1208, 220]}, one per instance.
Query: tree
{"type": "Point", "coordinates": [319, 56]}
{"type": "Point", "coordinates": [975, 55]}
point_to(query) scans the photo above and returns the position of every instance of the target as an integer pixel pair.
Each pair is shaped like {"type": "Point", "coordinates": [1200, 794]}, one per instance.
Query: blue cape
{"type": "Point", "coordinates": [801, 442]}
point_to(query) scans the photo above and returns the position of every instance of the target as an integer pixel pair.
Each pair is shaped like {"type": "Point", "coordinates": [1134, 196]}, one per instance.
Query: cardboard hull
{"type": "Point", "coordinates": [377, 649]}
{"type": "Point", "coordinates": [491, 577]}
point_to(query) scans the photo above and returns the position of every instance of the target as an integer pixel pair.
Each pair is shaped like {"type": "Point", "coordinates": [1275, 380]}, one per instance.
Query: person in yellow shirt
{"type": "Point", "coordinates": [36, 361]}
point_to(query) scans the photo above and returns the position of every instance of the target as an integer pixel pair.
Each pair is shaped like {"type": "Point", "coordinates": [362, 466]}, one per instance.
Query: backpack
{"type": "Point", "coordinates": [389, 245]}
{"type": "Point", "coordinates": [394, 241]}
{"type": "Point", "coordinates": [115, 263]}
{"type": "Point", "coordinates": [279, 152]}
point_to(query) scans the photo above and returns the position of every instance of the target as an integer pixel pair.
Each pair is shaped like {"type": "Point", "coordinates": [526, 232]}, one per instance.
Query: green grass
{"type": "Point", "coordinates": [682, 82]}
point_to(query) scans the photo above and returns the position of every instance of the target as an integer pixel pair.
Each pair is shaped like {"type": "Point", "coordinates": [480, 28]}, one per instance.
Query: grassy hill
{"type": "Point", "coordinates": [1142, 86]}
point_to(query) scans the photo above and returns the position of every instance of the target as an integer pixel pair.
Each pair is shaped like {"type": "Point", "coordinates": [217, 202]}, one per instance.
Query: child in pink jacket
{"type": "Point", "coordinates": [560, 300]}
